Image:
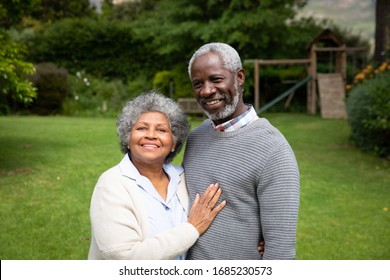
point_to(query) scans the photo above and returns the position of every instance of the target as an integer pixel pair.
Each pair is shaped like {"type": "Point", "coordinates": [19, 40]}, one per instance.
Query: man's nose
{"type": "Point", "coordinates": [208, 89]}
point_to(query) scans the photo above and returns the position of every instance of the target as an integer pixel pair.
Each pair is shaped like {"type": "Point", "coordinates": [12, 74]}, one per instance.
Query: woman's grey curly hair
{"type": "Point", "coordinates": [153, 101]}
{"type": "Point", "coordinates": [231, 60]}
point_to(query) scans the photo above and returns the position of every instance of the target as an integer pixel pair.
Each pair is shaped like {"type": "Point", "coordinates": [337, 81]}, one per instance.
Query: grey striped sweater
{"type": "Point", "coordinates": [258, 173]}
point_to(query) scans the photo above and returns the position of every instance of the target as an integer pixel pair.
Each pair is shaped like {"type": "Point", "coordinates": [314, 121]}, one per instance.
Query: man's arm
{"type": "Point", "coordinates": [278, 195]}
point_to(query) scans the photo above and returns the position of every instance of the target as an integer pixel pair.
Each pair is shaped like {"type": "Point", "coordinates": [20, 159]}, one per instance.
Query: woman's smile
{"type": "Point", "coordinates": [151, 138]}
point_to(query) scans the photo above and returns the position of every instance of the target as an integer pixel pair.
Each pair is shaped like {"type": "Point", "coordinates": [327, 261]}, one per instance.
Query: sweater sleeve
{"type": "Point", "coordinates": [118, 226]}
{"type": "Point", "coordinates": [278, 195]}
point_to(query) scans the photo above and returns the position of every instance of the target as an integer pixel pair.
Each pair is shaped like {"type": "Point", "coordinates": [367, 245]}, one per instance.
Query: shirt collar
{"type": "Point", "coordinates": [242, 120]}
{"type": "Point", "coordinates": [128, 169]}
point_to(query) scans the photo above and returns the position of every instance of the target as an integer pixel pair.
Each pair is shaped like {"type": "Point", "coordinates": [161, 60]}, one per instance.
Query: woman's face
{"type": "Point", "coordinates": [151, 139]}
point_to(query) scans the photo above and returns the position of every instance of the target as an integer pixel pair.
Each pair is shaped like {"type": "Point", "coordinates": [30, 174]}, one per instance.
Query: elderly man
{"type": "Point", "coordinates": [250, 159]}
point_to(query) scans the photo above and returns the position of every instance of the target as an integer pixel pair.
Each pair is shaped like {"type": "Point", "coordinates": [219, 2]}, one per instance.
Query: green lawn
{"type": "Point", "coordinates": [49, 165]}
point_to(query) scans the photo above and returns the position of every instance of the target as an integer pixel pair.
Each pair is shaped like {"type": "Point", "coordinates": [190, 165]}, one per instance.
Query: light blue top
{"type": "Point", "coordinates": [163, 215]}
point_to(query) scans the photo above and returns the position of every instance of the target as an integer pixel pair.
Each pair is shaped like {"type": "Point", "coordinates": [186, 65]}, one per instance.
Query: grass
{"type": "Point", "coordinates": [49, 166]}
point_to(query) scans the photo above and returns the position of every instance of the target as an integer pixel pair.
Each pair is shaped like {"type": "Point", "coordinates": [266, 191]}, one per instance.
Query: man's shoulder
{"type": "Point", "coordinates": [205, 125]}
{"type": "Point", "coordinates": [264, 126]}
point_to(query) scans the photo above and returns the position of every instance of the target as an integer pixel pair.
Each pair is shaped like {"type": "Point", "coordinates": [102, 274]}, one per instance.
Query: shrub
{"type": "Point", "coordinates": [95, 97]}
{"type": "Point", "coordinates": [368, 108]}
{"type": "Point", "coordinates": [101, 48]}
{"type": "Point", "coordinates": [369, 72]}
{"type": "Point", "coordinates": [162, 82]}
{"type": "Point", "coordinates": [182, 85]}
{"type": "Point", "coordinates": [51, 82]}
{"type": "Point", "coordinates": [14, 85]}
{"type": "Point", "coordinates": [177, 78]}
{"type": "Point", "coordinates": [139, 84]}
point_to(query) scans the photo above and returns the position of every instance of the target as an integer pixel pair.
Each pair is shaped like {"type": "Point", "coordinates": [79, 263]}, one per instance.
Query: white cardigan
{"type": "Point", "coordinates": [119, 221]}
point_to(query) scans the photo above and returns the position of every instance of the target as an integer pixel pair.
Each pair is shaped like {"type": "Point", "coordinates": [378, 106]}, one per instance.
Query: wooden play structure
{"type": "Point", "coordinates": [331, 86]}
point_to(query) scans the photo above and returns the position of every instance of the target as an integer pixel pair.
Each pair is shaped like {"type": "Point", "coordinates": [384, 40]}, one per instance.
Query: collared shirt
{"type": "Point", "coordinates": [163, 214]}
{"type": "Point", "coordinates": [242, 120]}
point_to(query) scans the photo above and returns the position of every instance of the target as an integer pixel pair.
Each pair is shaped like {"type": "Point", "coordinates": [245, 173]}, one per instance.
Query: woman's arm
{"type": "Point", "coordinates": [119, 223]}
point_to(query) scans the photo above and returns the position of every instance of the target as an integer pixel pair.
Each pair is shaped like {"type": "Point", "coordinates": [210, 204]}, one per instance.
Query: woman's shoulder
{"type": "Point", "coordinates": [110, 173]}
{"type": "Point", "coordinates": [113, 182]}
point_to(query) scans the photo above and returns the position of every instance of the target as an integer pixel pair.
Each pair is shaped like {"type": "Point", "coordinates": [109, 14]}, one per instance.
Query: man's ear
{"type": "Point", "coordinates": [241, 76]}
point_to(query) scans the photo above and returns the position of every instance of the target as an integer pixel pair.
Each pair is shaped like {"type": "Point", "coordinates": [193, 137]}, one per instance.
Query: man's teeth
{"type": "Point", "coordinates": [212, 102]}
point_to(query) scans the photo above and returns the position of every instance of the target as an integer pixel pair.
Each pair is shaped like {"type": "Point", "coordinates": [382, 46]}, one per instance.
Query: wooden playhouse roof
{"type": "Point", "coordinates": [328, 38]}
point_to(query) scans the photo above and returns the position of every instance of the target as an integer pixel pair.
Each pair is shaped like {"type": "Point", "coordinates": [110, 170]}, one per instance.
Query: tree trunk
{"type": "Point", "coordinates": [382, 29]}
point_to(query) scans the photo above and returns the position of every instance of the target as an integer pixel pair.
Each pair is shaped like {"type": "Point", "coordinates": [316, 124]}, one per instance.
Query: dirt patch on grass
{"type": "Point", "coordinates": [17, 171]}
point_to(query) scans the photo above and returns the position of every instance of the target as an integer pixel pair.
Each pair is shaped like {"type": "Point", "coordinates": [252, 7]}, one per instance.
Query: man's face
{"type": "Point", "coordinates": [216, 89]}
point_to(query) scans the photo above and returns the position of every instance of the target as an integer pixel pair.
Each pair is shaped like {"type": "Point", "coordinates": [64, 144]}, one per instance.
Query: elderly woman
{"type": "Point", "coordinates": [139, 208]}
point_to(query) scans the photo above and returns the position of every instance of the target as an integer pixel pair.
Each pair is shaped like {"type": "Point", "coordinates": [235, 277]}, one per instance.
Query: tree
{"type": "Point", "coordinates": [103, 48]}
{"type": "Point", "coordinates": [12, 12]}
{"type": "Point", "coordinates": [14, 84]}
{"type": "Point", "coordinates": [127, 10]}
{"type": "Point", "coordinates": [254, 28]}
{"type": "Point", "coordinates": [53, 10]}
{"type": "Point", "coordinates": [382, 29]}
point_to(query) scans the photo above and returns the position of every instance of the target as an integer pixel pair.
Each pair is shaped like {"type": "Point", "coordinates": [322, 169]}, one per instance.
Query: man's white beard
{"type": "Point", "coordinates": [229, 109]}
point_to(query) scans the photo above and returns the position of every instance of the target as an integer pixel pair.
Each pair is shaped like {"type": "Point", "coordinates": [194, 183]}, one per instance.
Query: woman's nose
{"type": "Point", "coordinates": [150, 133]}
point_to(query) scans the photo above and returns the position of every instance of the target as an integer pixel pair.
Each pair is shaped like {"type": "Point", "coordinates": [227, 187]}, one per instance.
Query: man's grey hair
{"type": "Point", "coordinates": [153, 101]}
{"type": "Point", "coordinates": [231, 60]}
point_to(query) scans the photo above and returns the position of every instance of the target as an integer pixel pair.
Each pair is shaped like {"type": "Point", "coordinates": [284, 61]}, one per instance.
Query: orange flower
{"type": "Point", "coordinates": [383, 66]}
{"type": "Point", "coordinates": [360, 76]}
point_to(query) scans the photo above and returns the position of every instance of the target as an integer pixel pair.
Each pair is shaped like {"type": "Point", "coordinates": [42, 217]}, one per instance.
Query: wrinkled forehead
{"type": "Point", "coordinates": [208, 63]}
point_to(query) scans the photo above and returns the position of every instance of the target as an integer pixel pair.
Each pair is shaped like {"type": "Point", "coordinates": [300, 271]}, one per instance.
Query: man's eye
{"type": "Point", "coordinates": [197, 85]}
{"type": "Point", "coordinates": [141, 128]}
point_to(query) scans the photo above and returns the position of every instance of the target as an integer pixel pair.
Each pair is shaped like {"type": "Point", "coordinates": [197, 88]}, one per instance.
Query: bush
{"type": "Point", "coordinates": [181, 82]}
{"type": "Point", "coordinates": [368, 108]}
{"type": "Point", "coordinates": [139, 84]}
{"type": "Point", "coordinates": [101, 48]}
{"type": "Point", "coordinates": [177, 78]}
{"type": "Point", "coordinates": [53, 88]}
{"type": "Point", "coordinates": [162, 82]}
{"type": "Point", "coordinates": [95, 97]}
{"type": "Point", "coordinates": [14, 85]}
